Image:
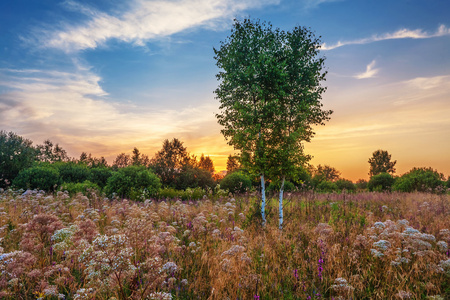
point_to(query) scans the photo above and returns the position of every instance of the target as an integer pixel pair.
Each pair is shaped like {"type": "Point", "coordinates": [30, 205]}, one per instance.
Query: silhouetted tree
{"type": "Point", "coordinates": [48, 152]}
{"type": "Point", "coordinates": [205, 163]}
{"type": "Point", "coordinates": [168, 162]}
{"type": "Point", "coordinates": [92, 162]}
{"type": "Point", "coordinates": [233, 163]}
{"type": "Point", "coordinates": [122, 161]}
{"type": "Point", "coordinates": [138, 159]}
{"type": "Point", "coordinates": [380, 162]}
{"type": "Point", "coordinates": [325, 173]}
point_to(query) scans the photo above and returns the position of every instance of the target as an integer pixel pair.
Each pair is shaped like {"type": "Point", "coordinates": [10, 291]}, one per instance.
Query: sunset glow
{"type": "Point", "coordinates": [109, 76]}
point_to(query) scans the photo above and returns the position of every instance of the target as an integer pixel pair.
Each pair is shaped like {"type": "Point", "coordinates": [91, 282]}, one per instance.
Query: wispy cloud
{"type": "Point", "coordinates": [370, 71]}
{"type": "Point", "coordinates": [443, 30]}
{"type": "Point", "coordinates": [73, 109]}
{"type": "Point", "coordinates": [145, 20]}
{"type": "Point", "coordinates": [315, 3]}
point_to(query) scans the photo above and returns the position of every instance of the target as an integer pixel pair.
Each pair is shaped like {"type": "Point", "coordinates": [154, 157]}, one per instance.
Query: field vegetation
{"type": "Point", "coordinates": [333, 246]}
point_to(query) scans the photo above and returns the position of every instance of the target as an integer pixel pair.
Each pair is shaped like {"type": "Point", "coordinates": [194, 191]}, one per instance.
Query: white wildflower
{"type": "Point", "coordinates": [442, 246]}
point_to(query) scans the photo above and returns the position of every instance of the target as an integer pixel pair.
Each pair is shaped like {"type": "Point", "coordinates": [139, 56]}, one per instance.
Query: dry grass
{"type": "Point", "coordinates": [358, 246]}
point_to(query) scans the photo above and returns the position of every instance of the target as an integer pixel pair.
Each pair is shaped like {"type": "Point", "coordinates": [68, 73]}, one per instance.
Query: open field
{"type": "Point", "coordinates": [333, 246]}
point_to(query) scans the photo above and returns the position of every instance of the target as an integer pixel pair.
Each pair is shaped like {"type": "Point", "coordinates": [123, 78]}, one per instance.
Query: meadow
{"type": "Point", "coordinates": [333, 246]}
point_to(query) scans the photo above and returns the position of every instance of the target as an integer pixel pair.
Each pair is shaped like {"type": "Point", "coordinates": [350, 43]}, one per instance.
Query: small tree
{"type": "Point", "coordinates": [381, 182]}
{"type": "Point", "coordinates": [270, 96]}
{"type": "Point", "coordinates": [325, 173]}
{"type": "Point", "coordinates": [169, 161]}
{"type": "Point", "coordinates": [205, 163]}
{"type": "Point", "coordinates": [380, 162]}
{"type": "Point", "coordinates": [48, 152]}
{"type": "Point", "coordinates": [139, 159]}
{"type": "Point", "coordinates": [16, 154]}
{"type": "Point", "coordinates": [122, 161]}
{"type": "Point", "coordinates": [233, 163]}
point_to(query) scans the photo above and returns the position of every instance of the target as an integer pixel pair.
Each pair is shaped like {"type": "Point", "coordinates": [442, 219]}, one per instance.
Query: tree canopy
{"type": "Point", "coordinates": [380, 162]}
{"type": "Point", "coordinates": [16, 154]}
{"type": "Point", "coordinates": [269, 92]}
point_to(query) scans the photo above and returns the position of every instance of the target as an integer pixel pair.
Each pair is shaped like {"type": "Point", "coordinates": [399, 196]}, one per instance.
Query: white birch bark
{"type": "Point", "coordinates": [280, 205]}
{"type": "Point", "coordinates": [263, 200]}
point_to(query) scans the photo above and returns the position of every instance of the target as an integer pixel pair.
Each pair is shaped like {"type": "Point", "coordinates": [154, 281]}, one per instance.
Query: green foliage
{"type": "Point", "coordinates": [345, 184]}
{"type": "Point", "coordinates": [192, 177]}
{"type": "Point", "coordinates": [325, 173]}
{"type": "Point", "coordinates": [188, 194]}
{"type": "Point", "coordinates": [169, 161]}
{"type": "Point", "coordinates": [134, 182]}
{"type": "Point", "coordinates": [302, 178]}
{"type": "Point", "coordinates": [380, 162]}
{"type": "Point", "coordinates": [361, 184]}
{"type": "Point", "coordinates": [39, 177]}
{"type": "Point", "coordinates": [236, 182]}
{"type": "Point", "coordinates": [233, 163]}
{"type": "Point", "coordinates": [327, 187]}
{"type": "Point", "coordinates": [381, 182]}
{"type": "Point", "coordinates": [16, 154]}
{"type": "Point", "coordinates": [274, 186]}
{"type": "Point", "coordinates": [79, 187]}
{"type": "Point", "coordinates": [270, 94]}
{"type": "Point", "coordinates": [71, 171]}
{"type": "Point", "coordinates": [100, 176]}
{"type": "Point", "coordinates": [48, 152]}
{"type": "Point", "coordinates": [421, 180]}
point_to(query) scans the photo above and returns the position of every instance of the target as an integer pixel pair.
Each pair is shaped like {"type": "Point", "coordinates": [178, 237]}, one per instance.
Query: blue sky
{"type": "Point", "coordinates": [107, 76]}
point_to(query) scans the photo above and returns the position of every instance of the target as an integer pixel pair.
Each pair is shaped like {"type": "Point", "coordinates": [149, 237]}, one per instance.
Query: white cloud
{"type": "Point", "coordinates": [145, 20]}
{"type": "Point", "coordinates": [315, 3]}
{"type": "Point", "coordinates": [370, 71]}
{"type": "Point", "coordinates": [74, 110]}
{"type": "Point", "coordinates": [427, 83]}
{"type": "Point", "coordinates": [400, 34]}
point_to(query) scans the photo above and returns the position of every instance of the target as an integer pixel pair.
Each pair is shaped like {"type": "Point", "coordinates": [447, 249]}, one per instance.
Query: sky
{"type": "Point", "coordinates": [106, 76]}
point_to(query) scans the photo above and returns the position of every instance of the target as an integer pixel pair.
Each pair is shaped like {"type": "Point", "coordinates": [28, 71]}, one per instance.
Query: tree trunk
{"type": "Point", "coordinates": [263, 200]}
{"type": "Point", "coordinates": [280, 205]}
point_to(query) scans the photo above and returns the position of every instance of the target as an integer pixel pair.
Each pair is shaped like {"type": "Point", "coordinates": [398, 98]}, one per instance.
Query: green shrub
{"type": "Point", "coordinates": [236, 182]}
{"type": "Point", "coordinates": [327, 187]}
{"type": "Point", "coordinates": [79, 187]}
{"type": "Point", "coordinates": [133, 182]}
{"type": "Point", "coordinates": [191, 177]}
{"type": "Point", "coordinates": [421, 180]}
{"type": "Point", "coordinates": [345, 184]}
{"type": "Point", "coordinates": [169, 193]}
{"type": "Point", "coordinates": [193, 194]}
{"type": "Point", "coordinates": [188, 194]}
{"type": "Point", "coordinates": [361, 184]}
{"type": "Point", "coordinates": [100, 176]}
{"type": "Point", "coordinates": [381, 182]}
{"type": "Point", "coordinates": [39, 177]}
{"type": "Point", "coordinates": [274, 186]}
{"type": "Point", "coordinates": [71, 171]}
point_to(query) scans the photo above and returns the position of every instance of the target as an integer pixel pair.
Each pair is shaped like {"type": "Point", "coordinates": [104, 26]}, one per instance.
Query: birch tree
{"type": "Point", "coordinates": [270, 91]}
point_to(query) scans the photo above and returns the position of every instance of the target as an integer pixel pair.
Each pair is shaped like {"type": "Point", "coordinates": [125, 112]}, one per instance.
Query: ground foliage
{"type": "Point", "coordinates": [341, 246]}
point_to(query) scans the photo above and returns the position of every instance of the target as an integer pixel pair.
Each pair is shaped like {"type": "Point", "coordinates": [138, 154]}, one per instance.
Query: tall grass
{"type": "Point", "coordinates": [341, 246]}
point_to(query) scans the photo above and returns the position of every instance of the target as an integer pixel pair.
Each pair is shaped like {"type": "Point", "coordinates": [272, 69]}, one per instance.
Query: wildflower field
{"type": "Point", "coordinates": [333, 246]}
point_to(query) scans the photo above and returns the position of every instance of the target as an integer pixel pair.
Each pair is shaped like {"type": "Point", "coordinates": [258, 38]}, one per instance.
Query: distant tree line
{"type": "Point", "coordinates": [174, 172]}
